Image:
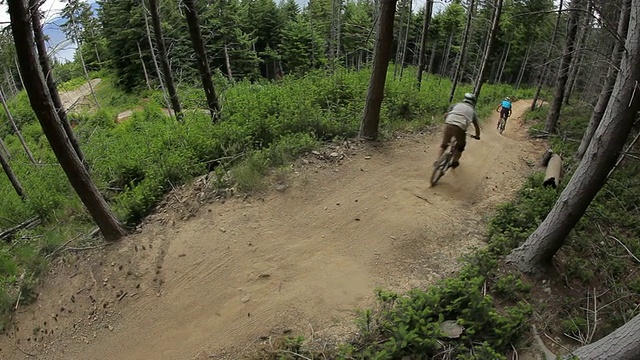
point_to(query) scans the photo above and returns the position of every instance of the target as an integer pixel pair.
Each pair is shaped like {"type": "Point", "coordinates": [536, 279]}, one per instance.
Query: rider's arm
{"type": "Point", "coordinates": [476, 125]}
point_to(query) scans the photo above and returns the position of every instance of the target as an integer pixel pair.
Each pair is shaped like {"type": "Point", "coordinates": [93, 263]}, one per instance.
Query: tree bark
{"type": "Point", "coordinates": [3, 147]}
{"type": "Point", "coordinates": [545, 63]}
{"type": "Point", "coordinates": [445, 59]}
{"type": "Point", "coordinates": [155, 59]}
{"type": "Point", "coordinates": [15, 128]}
{"type": "Point", "coordinates": [523, 67]}
{"type": "Point", "coordinates": [15, 59]}
{"type": "Point", "coordinates": [591, 174]}
{"type": "Point", "coordinates": [201, 56]}
{"type": "Point", "coordinates": [428, 9]}
{"type": "Point", "coordinates": [563, 72]}
{"type": "Point", "coordinates": [622, 344]}
{"type": "Point", "coordinates": [504, 63]}
{"type": "Point", "coordinates": [164, 61]}
{"type": "Point", "coordinates": [43, 58]}
{"type": "Point", "coordinates": [406, 38]}
{"type": "Point", "coordinates": [487, 53]}
{"type": "Point", "coordinates": [605, 93]}
{"type": "Point", "coordinates": [45, 110]}
{"type": "Point", "coordinates": [382, 56]}
{"type": "Point", "coordinates": [12, 177]}
{"type": "Point", "coordinates": [432, 57]}
{"type": "Point", "coordinates": [463, 52]}
{"type": "Point", "coordinates": [227, 64]}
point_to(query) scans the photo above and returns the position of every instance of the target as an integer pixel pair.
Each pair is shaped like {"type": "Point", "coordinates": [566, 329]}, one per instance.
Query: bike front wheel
{"type": "Point", "coordinates": [441, 168]}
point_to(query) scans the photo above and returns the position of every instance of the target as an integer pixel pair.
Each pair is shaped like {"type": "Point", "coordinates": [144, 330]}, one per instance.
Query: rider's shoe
{"type": "Point", "coordinates": [455, 164]}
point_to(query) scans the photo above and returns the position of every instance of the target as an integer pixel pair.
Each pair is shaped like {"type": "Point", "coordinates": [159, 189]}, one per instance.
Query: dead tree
{"type": "Point", "coordinates": [489, 48]}
{"type": "Point", "coordinates": [545, 63]}
{"type": "Point", "coordinates": [601, 156]}
{"type": "Point", "coordinates": [12, 177]}
{"type": "Point", "coordinates": [605, 93]}
{"type": "Point", "coordinates": [428, 9]}
{"type": "Point", "coordinates": [164, 60]}
{"type": "Point", "coordinates": [563, 71]}
{"type": "Point", "coordinates": [15, 128]}
{"type": "Point", "coordinates": [47, 115]}
{"type": "Point", "coordinates": [578, 57]}
{"type": "Point", "coordinates": [43, 58]}
{"type": "Point", "coordinates": [622, 344]}
{"type": "Point", "coordinates": [201, 57]}
{"type": "Point", "coordinates": [463, 52]}
{"type": "Point", "coordinates": [382, 56]}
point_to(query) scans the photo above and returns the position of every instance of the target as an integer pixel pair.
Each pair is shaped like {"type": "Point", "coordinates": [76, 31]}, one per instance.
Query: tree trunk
{"type": "Point", "coordinates": [3, 147]}
{"type": "Point", "coordinates": [227, 63]}
{"type": "Point", "coordinates": [622, 344]}
{"type": "Point", "coordinates": [432, 57]}
{"type": "Point", "coordinates": [487, 53]}
{"type": "Point", "coordinates": [12, 177]}
{"type": "Point", "coordinates": [605, 94]}
{"type": "Point", "coordinates": [523, 67]}
{"type": "Point", "coordinates": [44, 109]}
{"type": "Point", "coordinates": [504, 62]}
{"type": "Point", "coordinates": [423, 40]}
{"type": "Point", "coordinates": [15, 128]}
{"type": "Point", "coordinates": [201, 57]}
{"type": "Point", "coordinates": [463, 52]}
{"type": "Point", "coordinates": [382, 55]}
{"type": "Point", "coordinates": [578, 55]}
{"type": "Point", "coordinates": [43, 58]}
{"type": "Point", "coordinates": [591, 174]}
{"type": "Point", "coordinates": [83, 64]}
{"type": "Point", "coordinates": [406, 38]}
{"type": "Point", "coordinates": [15, 59]}
{"type": "Point", "coordinates": [545, 63]}
{"type": "Point", "coordinates": [155, 59]}
{"type": "Point", "coordinates": [144, 67]}
{"type": "Point", "coordinates": [398, 45]}
{"type": "Point", "coordinates": [445, 59]}
{"type": "Point", "coordinates": [164, 61]}
{"type": "Point", "coordinates": [563, 72]}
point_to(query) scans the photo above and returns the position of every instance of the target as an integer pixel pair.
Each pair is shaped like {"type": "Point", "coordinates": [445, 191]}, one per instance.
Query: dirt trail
{"type": "Point", "coordinates": [73, 97]}
{"type": "Point", "coordinates": [298, 260]}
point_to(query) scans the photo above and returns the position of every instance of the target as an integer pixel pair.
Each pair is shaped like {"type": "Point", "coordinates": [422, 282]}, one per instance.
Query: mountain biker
{"type": "Point", "coordinates": [505, 109]}
{"type": "Point", "coordinates": [457, 120]}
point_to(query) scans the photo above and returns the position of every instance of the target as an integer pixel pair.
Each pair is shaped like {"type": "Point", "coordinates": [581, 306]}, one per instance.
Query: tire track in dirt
{"type": "Point", "coordinates": [297, 260]}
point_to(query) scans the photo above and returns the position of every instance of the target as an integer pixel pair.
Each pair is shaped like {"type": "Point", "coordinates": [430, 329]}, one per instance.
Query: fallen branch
{"type": "Point", "coordinates": [24, 352]}
{"type": "Point", "coordinates": [62, 246]}
{"type": "Point", "coordinates": [423, 198]}
{"type": "Point", "coordinates": [294, 354]}
{"type": "Point", "coordinates": [6, 234]}
{"type": "Point", "coordinates": [626, 248]}
{"type": "Point", "coordinates": [86, 248]}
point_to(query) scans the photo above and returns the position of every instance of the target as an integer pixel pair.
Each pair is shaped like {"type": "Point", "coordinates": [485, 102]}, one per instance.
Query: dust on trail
{"type": "Point", "coordinates": [210, 281]}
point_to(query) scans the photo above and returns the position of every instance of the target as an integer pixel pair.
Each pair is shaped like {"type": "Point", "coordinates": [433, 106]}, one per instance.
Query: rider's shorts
{"type": "Point", "coordinates": [504, 112]}
{"type": "Point", "coordinates": [453, 131]}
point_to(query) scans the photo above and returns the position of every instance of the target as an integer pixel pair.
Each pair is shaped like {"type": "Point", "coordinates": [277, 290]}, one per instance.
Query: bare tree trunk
{"type": "Point", "coordinates": [164, 61]}
{"type": "Point", "coordinates": [545, 63]}
{"type": "Point", "coordinates": [578, 55]}
{"type": "Point", "coordinates": [84, 65]}
{"type": "Point", "coordinates": [487, 53]}
{"type": "Point", "coordinates": [44, 109]}
{"type": "Point", "coordinates": [463, 52]}
{"type": "Point", "coordinates": [12, 176]}
{"type": "Point", "coordinates": [201, 57]}
{"type": "Point", "coordinates": [605, 94]}
{"type": "Point", "coordinates": [428, 9]}
{"type": "Point", "coordinates": [382, 55]}
{"type": "Point", "coordinates": [523, 67]}
{"type": "Point", "coordinates": [591, 174]}
{"type": "Point", "coordinates": [622, 344]}
{"type": "Point", "coordinates": [406, 38]}
{"type": "Point", "coordinates": [445, 59]}
{"type": "Point", "coordinates": [11, 81]}
{"type": "Point", "coordinates": [15, 59]}
{"type": "Point", "coordinates": [15, 128]}
{"type": "Point", "coordinates": [563, 73]}
{"type": "Point", "coordinates": [43, 58]}
{"type": "Point", "coordinates": [155, 59]}
{"type": "Point", "coordinates": [432, 57]}
{"type": "Point", "coordinates": [399, 45]}
{"type": "Point", "coordinates": [144, 67]}
{"type": "Point", "coordinates": [3, 147]}
{"type": "Point", "coordinates": [227, 63]}
{"type": "Point", "coordinates": [504, 63]}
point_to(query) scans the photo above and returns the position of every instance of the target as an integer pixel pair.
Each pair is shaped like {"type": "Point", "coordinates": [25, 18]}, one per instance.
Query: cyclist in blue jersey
{"type": "Point", "coordinates": [505, 108]}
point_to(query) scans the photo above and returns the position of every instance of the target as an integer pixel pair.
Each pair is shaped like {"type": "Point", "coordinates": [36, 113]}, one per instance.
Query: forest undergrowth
{"type": "Point", "coordinates": [487, 309]}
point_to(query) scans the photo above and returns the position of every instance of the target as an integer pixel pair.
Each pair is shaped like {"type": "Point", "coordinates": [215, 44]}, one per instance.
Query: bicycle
{"type": "Point", "coordinates": [444, 163]}
{"type": "Point", "coordinates": [502, 122]}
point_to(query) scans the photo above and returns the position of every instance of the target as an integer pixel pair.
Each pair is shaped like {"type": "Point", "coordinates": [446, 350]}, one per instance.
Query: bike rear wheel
{"type": "Point", "coordinates": [443, 165]}
{"type": "Point", "coordinates": [501, 124]}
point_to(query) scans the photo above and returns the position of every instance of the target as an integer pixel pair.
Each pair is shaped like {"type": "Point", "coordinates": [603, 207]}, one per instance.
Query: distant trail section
{"type": "Point", "coordinates": [71, 98]}
{"type": "Point", "coordinates": [300, 259]}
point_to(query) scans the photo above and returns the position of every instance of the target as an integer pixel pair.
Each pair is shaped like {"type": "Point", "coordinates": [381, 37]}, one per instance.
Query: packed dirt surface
{"type": "Point", "coordinates": [207, 278]}
{"type": "Point", "coordinates": [71, 99]}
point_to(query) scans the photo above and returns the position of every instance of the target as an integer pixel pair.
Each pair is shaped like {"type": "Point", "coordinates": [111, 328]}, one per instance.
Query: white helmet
{"type": "Point", "coordinates": [470, 98]}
